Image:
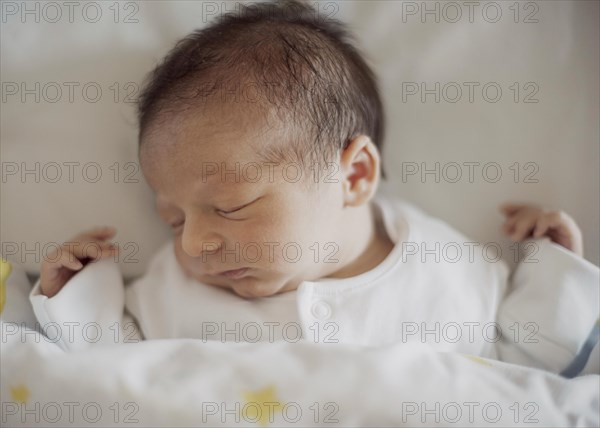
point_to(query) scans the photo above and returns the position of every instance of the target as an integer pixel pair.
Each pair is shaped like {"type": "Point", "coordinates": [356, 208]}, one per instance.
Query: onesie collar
{"type": "Point", "coordinates": [397, 228]}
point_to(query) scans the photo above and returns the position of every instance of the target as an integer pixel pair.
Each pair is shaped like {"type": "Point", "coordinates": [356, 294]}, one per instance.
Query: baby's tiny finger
{"type": "Point", "coordinates": [102, 250]}
{"type": "Point", "coordinates": [509, 224]}
{"type": "Point", "coordinates": [553, 218]}
{"type": "Point", "coordinates": [99, 233]}
{"type": "Point", "coordinates": [68, 260]}
{"type": "Point", "coordinates": [102, 232]}
{"type": "Point", "coordinates": [509, 208]}
{"type": "Point", "coordinates": [109, 251]}
{"type": "Point", "coordinates": [541, 227]}
{"type": "Point", "coordinates": [74, 264]}
{"type": "Point", "coordinates": [523, 226]}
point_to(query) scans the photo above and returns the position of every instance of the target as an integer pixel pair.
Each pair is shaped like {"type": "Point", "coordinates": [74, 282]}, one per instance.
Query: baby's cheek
{"type": "Point", "coordinates": [183, 259]}
{"type": "Point", "coordinates": [267, 244]}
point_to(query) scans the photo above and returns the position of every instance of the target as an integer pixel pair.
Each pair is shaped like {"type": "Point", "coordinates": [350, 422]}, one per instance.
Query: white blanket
{"type": "Point", "coordinates": [190, 383]}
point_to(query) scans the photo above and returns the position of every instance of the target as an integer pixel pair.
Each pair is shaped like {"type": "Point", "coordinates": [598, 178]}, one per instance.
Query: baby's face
{"type": "Point", "coordinates": [240, 222]}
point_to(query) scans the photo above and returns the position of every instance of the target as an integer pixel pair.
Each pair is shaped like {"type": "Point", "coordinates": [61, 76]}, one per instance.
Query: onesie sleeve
{"type": "Point", "coordinates": [549, 318]}
{"type": "Point", "coordinates": [88, 310]}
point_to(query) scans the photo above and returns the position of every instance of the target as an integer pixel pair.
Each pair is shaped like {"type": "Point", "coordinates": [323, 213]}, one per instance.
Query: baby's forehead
{"type": "Point", "coordinates": [208, 138]}
{"type": "Point", "coordinates": [212, 150]}
{"type": "Point", "coordinates": [202, 180]}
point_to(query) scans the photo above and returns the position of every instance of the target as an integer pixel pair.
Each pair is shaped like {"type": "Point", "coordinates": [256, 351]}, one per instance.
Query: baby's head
{"type": "Point", "coordinates": [261, 135]}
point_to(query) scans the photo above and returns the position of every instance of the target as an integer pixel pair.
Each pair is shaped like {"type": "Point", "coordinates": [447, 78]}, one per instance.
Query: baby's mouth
{"type": "Point", "coordinates": [234, 273]}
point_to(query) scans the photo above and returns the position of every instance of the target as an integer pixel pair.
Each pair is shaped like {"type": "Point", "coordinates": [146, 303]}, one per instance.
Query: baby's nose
{"type": "Point", "coordinates": [197, 242]}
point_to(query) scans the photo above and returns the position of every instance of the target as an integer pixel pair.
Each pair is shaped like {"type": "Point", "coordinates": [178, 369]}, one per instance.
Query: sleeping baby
{"type": "Point", "coordinates": [261, 136]}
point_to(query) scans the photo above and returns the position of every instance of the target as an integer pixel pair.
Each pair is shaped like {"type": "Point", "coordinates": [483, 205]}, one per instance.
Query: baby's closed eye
{"type": "Point", "coordinates": [238, 207]}
{"type": "Point", "coordinates": [232, 213]}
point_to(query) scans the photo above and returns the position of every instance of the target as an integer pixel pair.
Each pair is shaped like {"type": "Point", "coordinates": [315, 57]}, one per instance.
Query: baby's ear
{"type": "Point", "coordinates": [359, 165]}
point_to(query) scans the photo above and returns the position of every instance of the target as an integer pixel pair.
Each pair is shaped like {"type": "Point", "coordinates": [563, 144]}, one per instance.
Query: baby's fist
{"type": "Point", "coordinates": [63, 263]}
{"type": "Point", "coordinates": [527, 221]}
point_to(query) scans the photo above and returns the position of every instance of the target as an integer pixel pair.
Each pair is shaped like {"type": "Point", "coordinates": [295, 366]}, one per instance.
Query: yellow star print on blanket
{"type": "Point", "coordinates": [261, 405]}
{"type": "Point", "coordinates": [19, 393]}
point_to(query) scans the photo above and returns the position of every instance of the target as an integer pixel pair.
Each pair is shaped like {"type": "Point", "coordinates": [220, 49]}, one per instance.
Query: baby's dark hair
{"type": "Point", "coordinates": [293, 61]}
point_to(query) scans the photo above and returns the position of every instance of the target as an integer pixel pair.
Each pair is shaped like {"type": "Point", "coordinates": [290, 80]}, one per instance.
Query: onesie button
{"type": "Point", "coordinates": [321, 310]}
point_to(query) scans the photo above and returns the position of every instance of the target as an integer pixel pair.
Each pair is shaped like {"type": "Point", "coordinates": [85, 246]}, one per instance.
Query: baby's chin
{"type": "Point", "coordinates": [252, 288]}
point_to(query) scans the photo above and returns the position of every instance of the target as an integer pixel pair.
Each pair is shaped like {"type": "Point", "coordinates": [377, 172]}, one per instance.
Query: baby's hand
{"type": "Point", "coordinates": [63, 263]}
{"type": "Point", "coordinates": [526, 221]}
